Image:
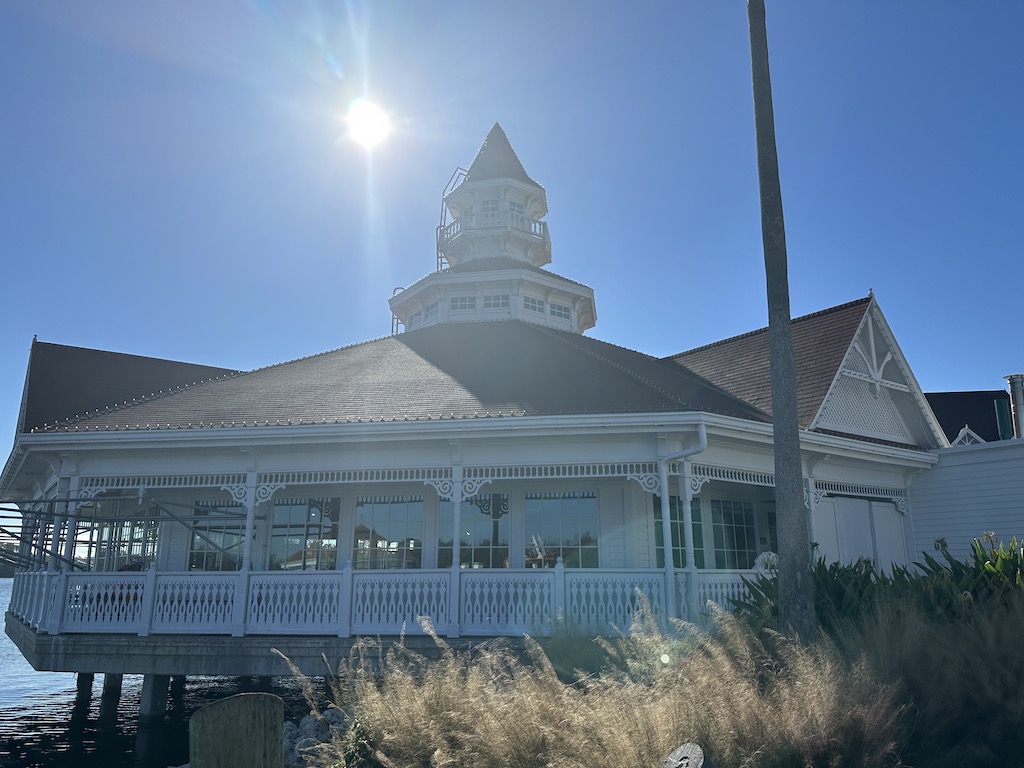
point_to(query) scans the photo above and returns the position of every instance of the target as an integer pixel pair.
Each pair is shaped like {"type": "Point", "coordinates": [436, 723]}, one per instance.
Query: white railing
{"type": "Point", "coordinates": [507, 602]}
{"type": "Point", "coordinates": [279, 603]}
{"type": "Point", "coordinates": [721, 587]}
{"type": "Point", "coordinates": [194, 602]}
{"type": "Point", "coordinates": [499, 219]}
{"type": "Point", "coordinates": [500, 602]}
{"type": "Point", "coordinates": [390, 602]}
{"type": "Point", "coordinates": [32, 595]}
{"type": "Point", "coordinates": [103, 602]}
{"type": "Point", "coordinates": [604, 602]}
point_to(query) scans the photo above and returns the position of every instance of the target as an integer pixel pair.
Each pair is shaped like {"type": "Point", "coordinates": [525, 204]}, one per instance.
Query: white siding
{"type": "Point", "coordinates": [973, 488]}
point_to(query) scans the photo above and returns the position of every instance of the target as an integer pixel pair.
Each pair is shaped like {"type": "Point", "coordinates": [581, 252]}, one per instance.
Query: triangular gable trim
{"type": "Point", "coordinates": [874, 363]}
{"type": "Point", "coordinates": [967, 436]}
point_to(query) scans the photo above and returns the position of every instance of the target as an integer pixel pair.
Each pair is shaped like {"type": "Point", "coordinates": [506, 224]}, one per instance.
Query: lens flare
{"type": "Point", "coordinates": [368, 124]}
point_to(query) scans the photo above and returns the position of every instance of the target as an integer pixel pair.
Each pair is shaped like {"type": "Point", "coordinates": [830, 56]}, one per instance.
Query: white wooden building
{"type": "Point", "coordinates": [488, 466]}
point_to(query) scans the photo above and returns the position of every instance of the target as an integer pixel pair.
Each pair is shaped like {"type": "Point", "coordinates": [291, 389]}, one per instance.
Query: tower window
{"type": "Point", "coordinates": [430, 312]}
{"type": "Point", "coordinates": [415, 320]}
{"type": "Point", "coordinates": [562, 311]}
{"type": "Point", "coordinates": [463, 302]}
{"type": "Point", "coordinates": [490, 206]}
{"type": "Point", "coordinates": [496, 301]}
{"type": "Point", "coordinates": [532, 304]}
{"type": "Point", "coordinates": [516, 209]}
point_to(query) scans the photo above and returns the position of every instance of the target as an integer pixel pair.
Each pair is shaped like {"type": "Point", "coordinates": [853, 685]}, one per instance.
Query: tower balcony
{"type": "Point", "coordinates": [535, 233]}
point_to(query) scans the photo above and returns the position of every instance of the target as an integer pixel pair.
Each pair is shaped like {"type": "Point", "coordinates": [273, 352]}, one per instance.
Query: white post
{"type": "Point", "coordinates": [57, 589]}
{"type": "Point", "coordinates": [686, 496]}
{"type": "Point", "coordinates": [250, 520]}
{"type": "Point", "coordinates": [148, 601]}
{"type": "Point", "coordinates": [454, 607]}
{"type": "Point", "coordinates": [62, 491]}
{"type": "Point", "coordinates": [71, 508]}
{"type": "Point", "coordinates": [671, 599]}
{"type": "Point", "coordinates": [560, 602]}
{"type": "Point", "coordinates": [345, 610]}
{"type": "Point", "coordinates": [240, 608]}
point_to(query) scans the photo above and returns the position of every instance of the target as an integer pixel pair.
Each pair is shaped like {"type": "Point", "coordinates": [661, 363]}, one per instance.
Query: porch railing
{"type": "Point", "coordinates": [506, 602]}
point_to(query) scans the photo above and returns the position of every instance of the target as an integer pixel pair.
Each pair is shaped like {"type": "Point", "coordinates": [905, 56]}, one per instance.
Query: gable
{"type": "Point", "coordinates": [874, 393]}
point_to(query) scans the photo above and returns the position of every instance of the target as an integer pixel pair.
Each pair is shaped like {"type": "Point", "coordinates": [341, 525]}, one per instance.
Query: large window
{"type": "Point", "coordinates": [389, 532]}
{"type": "Point", "coordinates": [460, 303]}
{"type": "Point", "coordinates": [483, 532]}
{"type": "Point", "coordinates": [732, 524]}
{"type": "Point", "coordinates": [676, 521]}
{"type": "Point", "coordinates": [217, 529]}
{"type": "Point", "coordinates": [304, 535]}
{"type": "Point", "coordinates": [124, 545]}
{"type": "Point", "coordinates": [562, 524]}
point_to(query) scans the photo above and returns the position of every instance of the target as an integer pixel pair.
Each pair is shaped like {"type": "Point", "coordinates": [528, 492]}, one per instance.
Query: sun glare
{"type": "Point", "coordinates": [368, 124]}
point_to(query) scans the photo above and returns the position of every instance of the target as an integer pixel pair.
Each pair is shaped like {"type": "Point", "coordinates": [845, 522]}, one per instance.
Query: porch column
{"type": "Point", "coordinates": [250, 519]}
{"type": "Point", "coordinates": [72, 512]}
{"type": "Point", "coordinates": [153, 700]}
{"type": "Point", "coordinates": [454, 609]}
{"type": "Point", "coordinates": [666, 536]}
{"type": "Point", "coordinates": [62, 493]}
{"type": "Point", "coordinates": [686, 496]}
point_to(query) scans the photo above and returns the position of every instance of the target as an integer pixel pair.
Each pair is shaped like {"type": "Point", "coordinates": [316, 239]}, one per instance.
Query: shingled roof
{"type": "Point", "coordinates": [461, 370]}
{"type": "Point", "coordinates": [741, 366]}
{"type": "Point", "coordinates": [497, 160]}
{"type": "Point", "coordinates": [64, 382]}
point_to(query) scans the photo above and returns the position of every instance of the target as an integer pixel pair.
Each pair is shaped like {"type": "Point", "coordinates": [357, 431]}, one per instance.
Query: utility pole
{"type": "Point", "coordinates": [796, 596]}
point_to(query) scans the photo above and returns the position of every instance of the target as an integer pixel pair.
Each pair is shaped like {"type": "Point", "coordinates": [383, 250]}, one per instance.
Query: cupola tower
{"type": "Point", "coordinates": [491, 247]}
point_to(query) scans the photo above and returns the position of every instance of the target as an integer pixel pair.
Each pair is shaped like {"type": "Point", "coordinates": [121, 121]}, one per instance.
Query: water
{"type": "Point", "coordinates": [44, 725]}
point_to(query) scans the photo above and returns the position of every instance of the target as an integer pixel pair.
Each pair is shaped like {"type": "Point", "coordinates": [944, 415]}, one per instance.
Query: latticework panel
{"type": "Point", "coordinates": [301, 603]}
{"type": "Point", "coordinates": [194, 603]}
{"type": "Point", "coordinates": [503, 602]}
{"type": "Point", "coordinates": [389, 603]}
{"type": "Point", "coordinates": [852, 406]}
{"type": "Point", "coordinates": [604, 602]}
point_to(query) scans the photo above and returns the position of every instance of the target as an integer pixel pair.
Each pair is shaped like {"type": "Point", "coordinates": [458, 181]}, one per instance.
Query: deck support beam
{"type": "Point", "coordinates": [153, 701]}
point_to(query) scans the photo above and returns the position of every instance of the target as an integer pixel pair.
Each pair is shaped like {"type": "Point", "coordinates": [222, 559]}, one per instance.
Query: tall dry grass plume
{"type": "Point", "coordinates": [747, 702]}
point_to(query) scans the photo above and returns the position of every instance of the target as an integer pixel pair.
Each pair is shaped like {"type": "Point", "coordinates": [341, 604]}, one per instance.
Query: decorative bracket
{"type": "Point", "coordinates": [471, 486]}
{"type": "Point", "coordinates": [265, 491]}
{"type": "Point", "coordinates": [444, 486]}
{"type": "Point", "coordinates": [237, 492]}
{"type": "Point", "coordinates": [649, 482]}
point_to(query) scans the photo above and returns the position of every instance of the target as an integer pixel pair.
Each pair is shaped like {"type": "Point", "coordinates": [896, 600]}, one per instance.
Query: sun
{"type": "Point", "coordinates": [368, 124]}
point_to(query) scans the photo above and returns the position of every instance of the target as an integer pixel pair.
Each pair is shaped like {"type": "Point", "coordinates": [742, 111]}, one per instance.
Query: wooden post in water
{"type": "Point", "coordinates": [243, 731]}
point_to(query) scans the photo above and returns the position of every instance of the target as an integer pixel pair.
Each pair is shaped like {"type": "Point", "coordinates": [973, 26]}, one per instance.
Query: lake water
{"type": "Point", "coordinates": [44, 725]}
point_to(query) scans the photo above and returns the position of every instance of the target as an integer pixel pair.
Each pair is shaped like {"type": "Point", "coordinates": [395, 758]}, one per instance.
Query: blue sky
{"type": "Point", "coordinates": [175, 180]}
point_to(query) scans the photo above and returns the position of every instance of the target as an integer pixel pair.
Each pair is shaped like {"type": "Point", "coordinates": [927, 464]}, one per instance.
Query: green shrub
{"type": "Point", "coordinates": [946, 633]}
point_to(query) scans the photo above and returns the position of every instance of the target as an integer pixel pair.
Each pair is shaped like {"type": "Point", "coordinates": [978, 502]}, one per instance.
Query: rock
{"type": "Point", "coordinates": [689, 755]}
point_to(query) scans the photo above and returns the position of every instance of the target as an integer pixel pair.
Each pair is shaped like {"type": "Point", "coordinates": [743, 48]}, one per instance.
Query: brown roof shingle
{"type": "Point", "coordinates": [740, 365]}
{"type": "Point", "coordinates": [65, 382]}
{"type": "Point", "coordinates": [459, 370]}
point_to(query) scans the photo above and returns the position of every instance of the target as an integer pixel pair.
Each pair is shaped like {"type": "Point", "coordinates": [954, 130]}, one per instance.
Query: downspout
{"type": "Point", "coordinates": [1017, 403]}
{"type": "Point", "coordinates": [666, 526]}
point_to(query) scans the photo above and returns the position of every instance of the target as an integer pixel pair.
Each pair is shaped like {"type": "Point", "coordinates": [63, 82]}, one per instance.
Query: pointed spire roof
{"type": "Point", "coordinates": [497, 160]}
